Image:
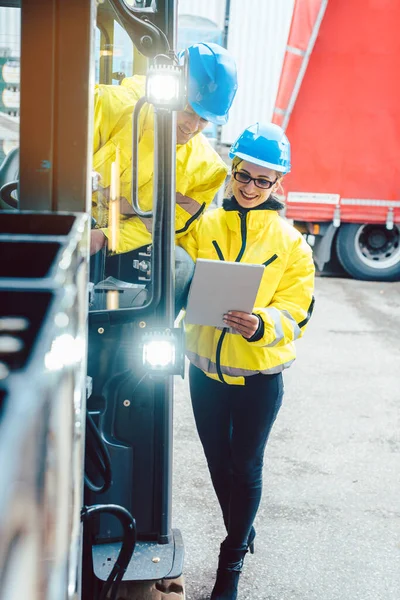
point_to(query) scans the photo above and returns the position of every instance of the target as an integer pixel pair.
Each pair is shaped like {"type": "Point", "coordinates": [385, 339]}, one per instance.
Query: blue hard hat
{"type": "Point", "coordinates": [265, 145]}
{"type": "Point", "coordinates": [212, 81]}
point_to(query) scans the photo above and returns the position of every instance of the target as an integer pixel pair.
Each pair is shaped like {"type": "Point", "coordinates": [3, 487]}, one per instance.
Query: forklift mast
{"type": "Point", "coordinates": [85, 414]}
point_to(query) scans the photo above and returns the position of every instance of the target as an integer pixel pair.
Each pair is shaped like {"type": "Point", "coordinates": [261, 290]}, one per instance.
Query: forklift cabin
{"type": "Point", "coordinates": [86, 375]}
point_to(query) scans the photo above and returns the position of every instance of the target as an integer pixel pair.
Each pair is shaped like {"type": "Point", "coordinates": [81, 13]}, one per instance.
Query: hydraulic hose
{"type": "Point", "coordinates": [98, 453]}
{"type": "Point", "coordinates": [127, 548]}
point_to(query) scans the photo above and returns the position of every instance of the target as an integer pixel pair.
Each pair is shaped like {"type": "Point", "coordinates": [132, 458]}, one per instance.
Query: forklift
{"type": "Point", "coordinates": [86, 361]}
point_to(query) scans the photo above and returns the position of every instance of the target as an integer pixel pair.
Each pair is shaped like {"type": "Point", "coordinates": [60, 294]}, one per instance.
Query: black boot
{"type": "Point", "coordinates": [229, 568]}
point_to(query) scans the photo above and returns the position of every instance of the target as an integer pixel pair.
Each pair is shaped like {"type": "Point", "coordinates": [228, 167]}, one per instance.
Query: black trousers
{"type": "Point", "coordinates": [234, 422]}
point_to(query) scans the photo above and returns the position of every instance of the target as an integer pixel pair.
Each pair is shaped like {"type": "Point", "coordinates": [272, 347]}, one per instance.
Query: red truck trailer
{"type": "Point", "coordinates": [339, 101]}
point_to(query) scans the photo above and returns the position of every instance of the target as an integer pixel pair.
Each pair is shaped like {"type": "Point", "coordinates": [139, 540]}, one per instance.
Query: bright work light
{"type": "Point", "coordinates": [163, 351]}
{"type": "Point", "coordinates": [165, 86]}
{"type": "Point", "coordinates": [159, 354]}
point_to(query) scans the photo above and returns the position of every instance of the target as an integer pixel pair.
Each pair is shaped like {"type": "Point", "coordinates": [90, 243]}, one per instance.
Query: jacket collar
{"type": "Point", "coordinates": [258, 218]}
{"type": "Point", "coordinates": [272, 203]}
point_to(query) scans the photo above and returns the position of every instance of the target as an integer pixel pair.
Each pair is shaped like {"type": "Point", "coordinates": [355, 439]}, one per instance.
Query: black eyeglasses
{"type": "Point", "coordinates": [259, 182]}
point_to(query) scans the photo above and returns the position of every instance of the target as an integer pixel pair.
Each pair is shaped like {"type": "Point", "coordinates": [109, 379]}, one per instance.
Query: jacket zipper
{"type": "Point", "coordinates": [243, 231]}
{"type": "Point", "coordinates": [225, 330]}
{"type": "Point", "coordinates": [218, 354]}
{"type": "Point", "coordinates": [192, 218]}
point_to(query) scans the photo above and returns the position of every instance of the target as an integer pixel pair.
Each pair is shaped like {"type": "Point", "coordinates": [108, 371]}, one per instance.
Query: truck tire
{"type": "Point", "coordinates": [164, 589]}
{"type": "Point", "coordinates": [369, 252]}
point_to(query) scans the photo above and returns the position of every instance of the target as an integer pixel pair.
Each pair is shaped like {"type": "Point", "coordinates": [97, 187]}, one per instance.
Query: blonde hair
{"type": "Point", "coordinates": [235, 163]}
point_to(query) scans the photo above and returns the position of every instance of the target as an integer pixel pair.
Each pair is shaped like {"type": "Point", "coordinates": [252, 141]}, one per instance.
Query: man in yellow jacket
{"type": "Point", "coordinates": [200, 172]}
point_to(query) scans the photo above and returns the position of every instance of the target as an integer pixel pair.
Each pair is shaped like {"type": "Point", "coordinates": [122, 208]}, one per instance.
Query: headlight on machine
{"type": "Point", "coordinates": [159, 354]}
{"type": "Point", "coordinates": [163, 88]}
{"type": "Point", "coordinates": [166, 86]}
{"type": "Point", "coordinates": [163, 351]}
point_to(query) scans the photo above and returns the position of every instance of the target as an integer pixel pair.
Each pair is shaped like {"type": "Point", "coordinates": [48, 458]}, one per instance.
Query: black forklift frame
{"type": "Point", "coordinates": [110, 329]}
{"type": "Point", "coordinates": [55, 171]}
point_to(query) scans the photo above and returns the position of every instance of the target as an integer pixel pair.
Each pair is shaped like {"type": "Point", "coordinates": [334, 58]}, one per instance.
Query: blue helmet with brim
{"type": "Point", "coordinates": [212, 81]}
{"type": "Point", "coordinates": [265, 145]}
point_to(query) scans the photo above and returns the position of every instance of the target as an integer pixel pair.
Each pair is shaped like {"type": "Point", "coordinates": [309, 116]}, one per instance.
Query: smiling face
{"type": "Point", "coordinates": [248, 195]}
{"type": "Point", "coordinates": [188, 124]}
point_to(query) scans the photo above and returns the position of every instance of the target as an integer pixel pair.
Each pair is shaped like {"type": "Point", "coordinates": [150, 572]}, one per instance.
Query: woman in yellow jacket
{"type": "Point", "coordinates": [236, 372]}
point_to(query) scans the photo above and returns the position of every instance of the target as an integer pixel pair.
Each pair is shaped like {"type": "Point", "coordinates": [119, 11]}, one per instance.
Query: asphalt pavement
{"type": "Point", "coordinates": [329, 523]}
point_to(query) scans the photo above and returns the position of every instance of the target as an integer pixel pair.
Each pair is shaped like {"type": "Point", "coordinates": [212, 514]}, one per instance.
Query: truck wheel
{"type": "Point", "coordinates": [369, 252]}
{"type": "Point", "coordinates": [165, 589]}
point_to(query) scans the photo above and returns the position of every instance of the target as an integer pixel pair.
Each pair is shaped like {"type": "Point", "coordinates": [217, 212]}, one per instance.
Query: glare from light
{"type": "Point", "coordinates": [163, 88]}
{"type": "Point", "coordinates": [159, 354]}
{"type": "Point", "coordinates": [66, 350]}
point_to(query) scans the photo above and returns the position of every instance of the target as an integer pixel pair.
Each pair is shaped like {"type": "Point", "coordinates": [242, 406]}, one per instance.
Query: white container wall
{"type": "Point", "coordinates": [10, 30]}
{"type": "Point", "coordinates": [258, 33]}
{"type": "Point", "coordinates": [211, 9]}
{"type": "Point", "coordinates": [257, 37]}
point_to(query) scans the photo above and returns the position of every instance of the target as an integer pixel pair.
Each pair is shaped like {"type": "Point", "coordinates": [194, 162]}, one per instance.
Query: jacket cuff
{"type": "Point", "coordinates": [258, 335]}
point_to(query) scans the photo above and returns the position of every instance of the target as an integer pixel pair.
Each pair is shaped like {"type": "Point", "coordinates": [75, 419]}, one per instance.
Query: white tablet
{"type": "Point", "coordinates": [220, 286]}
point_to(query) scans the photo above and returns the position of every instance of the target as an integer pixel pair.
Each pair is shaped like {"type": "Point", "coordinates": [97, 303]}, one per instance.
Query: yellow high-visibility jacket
{"type": "Point", "coordinates": [200, 172]}
{"type": "Point", "coordinates": [285, 297]}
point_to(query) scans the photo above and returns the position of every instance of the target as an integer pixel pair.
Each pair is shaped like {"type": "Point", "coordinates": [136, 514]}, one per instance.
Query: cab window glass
{"type": "Point", "coordinates": [142, 4]}
{"type": "Point", "coordinates": [119, 279]}
{"type": "Point", "coordinates": [10, 51]}
{"type": "Point", "coordinates": [114, 54]}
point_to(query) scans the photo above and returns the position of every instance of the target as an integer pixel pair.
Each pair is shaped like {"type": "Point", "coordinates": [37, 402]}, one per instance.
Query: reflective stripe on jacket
{"type": "Point", "coordinates": [200, 172]}
{"type": "Point", "coordinates": [284, 300]}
